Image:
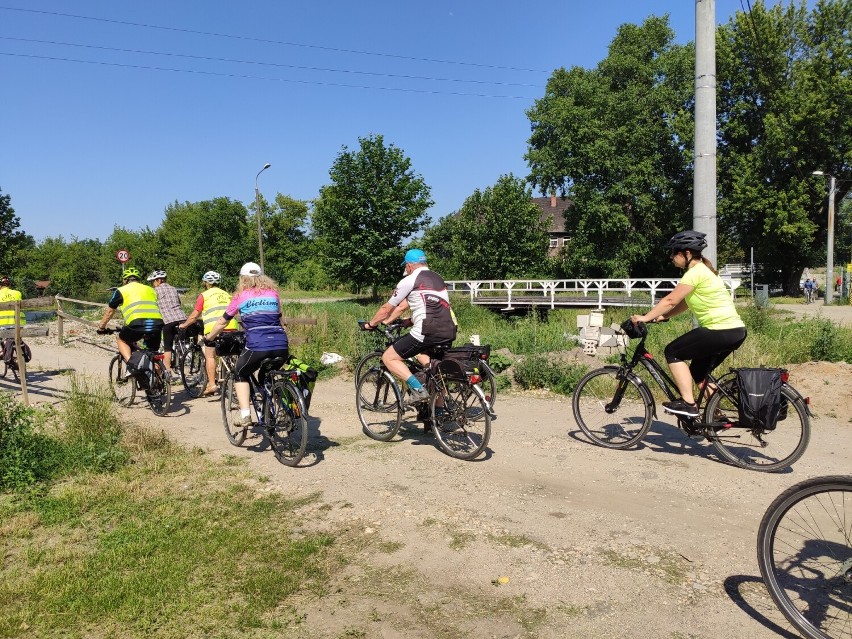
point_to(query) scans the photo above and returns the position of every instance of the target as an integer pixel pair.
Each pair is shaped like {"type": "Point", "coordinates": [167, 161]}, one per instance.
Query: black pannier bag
{"type": "Point", "coordinates": [230, 343]}
{"type": "Point", "coordinates": [760, 397]}
{"type": "Point", "coordinates": [141, 366]}
{"type": "Point", "coordinates": [469, 355]}
{"type": "Point", "coordinates": [9, 352]}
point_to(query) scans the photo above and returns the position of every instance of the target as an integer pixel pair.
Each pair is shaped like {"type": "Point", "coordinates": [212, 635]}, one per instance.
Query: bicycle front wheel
{"type": "Point", "coordinates": [755, 448]}
{"type": "Point", "coordinates": [378, 404]}
{"type": "Point", "coordinates": [193, 372]}
{"type": "Point", "coordinates": [286, 423]}
{"type": "Point", "coordinates": [231, 412]}
{"type": "Point", "coordinates": [613, 410]}
{"type": "Point", "coordinates": [804, 550]}
{"type": "Point", "coordinates": [123, 387]}
{"type": "Point", "coordinates": [160, 394]}
{"type": "Point", "coordinates": [462, 425]}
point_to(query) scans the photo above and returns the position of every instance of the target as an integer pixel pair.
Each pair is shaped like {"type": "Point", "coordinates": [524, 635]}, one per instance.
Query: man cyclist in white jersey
{"type": "Point", "coordinates": [433, 321]}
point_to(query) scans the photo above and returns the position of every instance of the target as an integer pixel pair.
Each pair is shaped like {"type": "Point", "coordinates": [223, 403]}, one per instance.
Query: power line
{"type": "Point", "coordinates": [256, 77]}
{"type": "Point", "coordinates": [266, 41]}
{"type": "Point", "coordinates": [271, 64]}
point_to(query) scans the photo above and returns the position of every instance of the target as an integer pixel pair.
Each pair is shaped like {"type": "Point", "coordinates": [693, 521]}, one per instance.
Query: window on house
{"type": "Point", "coordinates": [554, 242]}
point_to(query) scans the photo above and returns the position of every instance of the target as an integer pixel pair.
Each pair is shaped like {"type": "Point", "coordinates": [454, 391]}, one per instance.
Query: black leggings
{"type": "Point", "coordinates": [249, 362]}
{"type": "Point", "coordinates": [706, 348]}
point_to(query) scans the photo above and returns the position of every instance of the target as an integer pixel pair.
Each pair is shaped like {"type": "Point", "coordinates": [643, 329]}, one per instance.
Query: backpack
{"type": "Point", "coordinates": [760, 397]}
{"type": "Point", "coordinates": [307, 380]}
{"type": "Point", "coordinates": [141, 366]}
{"type": "Point", "coordinates": [9, 352]}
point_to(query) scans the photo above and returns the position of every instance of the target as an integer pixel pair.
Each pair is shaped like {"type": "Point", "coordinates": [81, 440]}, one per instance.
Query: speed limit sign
{"type": "Point", "coordinates": [123, 255]}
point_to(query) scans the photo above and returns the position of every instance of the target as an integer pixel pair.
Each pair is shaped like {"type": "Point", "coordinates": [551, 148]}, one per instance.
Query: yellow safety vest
{"type": "Point", "coordinates": [7, 316]}
{"type": "Point", "coordinates": [138, 302]}
{"type": "Point", "coordinates": [215, 302]}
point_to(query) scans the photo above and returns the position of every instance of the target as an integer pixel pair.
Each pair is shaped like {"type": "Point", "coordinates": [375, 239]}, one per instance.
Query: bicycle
{"type": "Point", "coordinates": [457, 408]}
{"type": "Point", "coordinates": [124, 385]}
{"type": "Point", "coordinates": [804, 550]}
{"type": "Point", "coordinates": [193, 367]}
{"type": "Point", "coordinates": [12, 363]}
{"type": "Point", "coordinates": [478, 354]}
{"type": "Point", "coordinates": [189, 360]}
{"type": "Point", "coordinates": [614, 407]}
{"type": "Point", "coordinates": [278, 404]}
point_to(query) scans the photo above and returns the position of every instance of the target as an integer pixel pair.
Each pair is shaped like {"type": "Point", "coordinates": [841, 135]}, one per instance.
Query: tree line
{"type": "Point", "coordinates": [616, 140]}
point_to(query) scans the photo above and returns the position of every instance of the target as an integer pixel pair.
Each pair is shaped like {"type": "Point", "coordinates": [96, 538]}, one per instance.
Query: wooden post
{"type": "Point", "coordinates": [22, 365]}
{"type": "Point", "coordinates": [60, 323]}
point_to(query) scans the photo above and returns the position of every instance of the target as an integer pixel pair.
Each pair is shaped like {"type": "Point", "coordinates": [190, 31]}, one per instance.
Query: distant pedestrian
{"type": "Point", "coordinates": [809, 291]}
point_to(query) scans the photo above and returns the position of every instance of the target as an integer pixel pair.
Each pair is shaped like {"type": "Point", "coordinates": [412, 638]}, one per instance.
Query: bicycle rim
{"type": "Point", "coordinates": [231, 413]}
{"type": "Point", "coordinates": [160, 394]}
{"type": "Point", "coordinates": [619, 426]}
{"type": "Point", "coordinates": [123, 388]}
{"type": "Point", "coordinates": [370, 360]}
{"type": "Point", "coordinates": [755, 449]}
{"type": "Point", "coordinates": [462, 426]}
{"type": "Point", "coordinates": [804, 551]}
{"type": "Point", "coordinates": [193, 372]}
{"type": "Point", "coordinates": [287, 423]}
{"type": "Point", "coordinates": [378, 404]}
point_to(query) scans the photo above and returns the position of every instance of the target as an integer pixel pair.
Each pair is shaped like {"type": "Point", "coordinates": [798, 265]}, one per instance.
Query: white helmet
{"type": "Point", "coordinates": [250, 268]}
{"type": "Point", "coordinates": [211, 277]}
{"type": "Point", "coordinates": [156, 275]}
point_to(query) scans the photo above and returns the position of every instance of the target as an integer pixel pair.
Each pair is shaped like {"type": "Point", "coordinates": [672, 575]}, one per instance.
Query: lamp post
{"type": "Point", "coordinates": [257, 213]}
{"type": "Point", "coordinates": [829, 258]}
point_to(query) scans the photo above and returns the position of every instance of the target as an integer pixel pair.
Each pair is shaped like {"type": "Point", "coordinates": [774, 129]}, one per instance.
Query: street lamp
{"type": "Point", "coordinates": [257, 214]}
{"type": "Point", "coordinates": [829, 258]}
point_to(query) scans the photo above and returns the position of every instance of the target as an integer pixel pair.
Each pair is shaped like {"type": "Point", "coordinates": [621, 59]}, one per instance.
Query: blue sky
{"type": "Point", "coordinates": [89, 146]}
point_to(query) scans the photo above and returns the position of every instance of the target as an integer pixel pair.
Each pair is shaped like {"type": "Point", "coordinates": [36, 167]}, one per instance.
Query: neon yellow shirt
{"type": "Point", "coordinates": [710, 301]}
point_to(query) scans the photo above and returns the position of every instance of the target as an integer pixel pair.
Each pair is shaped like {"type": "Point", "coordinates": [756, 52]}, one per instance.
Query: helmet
{"type": "Point", "coordinates": [691, 240]}
{"type": "Point", "coordinates": [211, 277]}
{"type": "Point", "coordinates": [130, 271]}
{"type": "Point", "coordinates": [250, 268]}
{"type": "Point", "coordinates": [414, 256]}
{"type": "Point", "coordinates": [157, 275]}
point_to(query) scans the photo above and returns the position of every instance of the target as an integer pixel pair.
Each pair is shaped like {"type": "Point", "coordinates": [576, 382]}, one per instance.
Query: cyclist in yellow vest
{"type": "Point", "coordinates": [142, 319]}
{"type": "Point", "coordinates": [210, 306]}
{"type": "Point", "coordinates": [8, 294]}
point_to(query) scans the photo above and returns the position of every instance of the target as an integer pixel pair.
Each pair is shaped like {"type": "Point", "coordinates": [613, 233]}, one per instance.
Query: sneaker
{"type": "Point", "coordinates": [417, 395]}
{"type": "Point", "coordinates": [243, 422]}
{"type": "Point", "coordinates": [680, 407]}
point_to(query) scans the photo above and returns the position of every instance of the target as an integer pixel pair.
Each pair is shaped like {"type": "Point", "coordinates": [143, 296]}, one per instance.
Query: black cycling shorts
{"type": "Point", "coordinates": [169, 331]}
{"type": "Point", "coordinates": [151, 335]}
{"type": "Point", "coordinates": [407, 346]}
{"type": "Point", "coordinates": [705, 348]}
{"type": "Point", "coordinates": [249, 361]}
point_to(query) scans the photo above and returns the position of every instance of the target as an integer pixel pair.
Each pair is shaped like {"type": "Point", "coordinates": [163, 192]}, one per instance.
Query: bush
{"type": "Point", "coordinates": [92, 428]}
{"type": "Point", "coordinates": [27, 455]}
{"type": "Point", "coordinates": [539, 372]}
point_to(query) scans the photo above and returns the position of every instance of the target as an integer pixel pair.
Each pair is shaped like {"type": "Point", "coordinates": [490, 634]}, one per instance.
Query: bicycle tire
{"type": "Point", "coordinates": [370, 360]}
{"type": "Point", "coordinates": [488, 384]}
{"type": "Point", "coordinates": [231, 412]}
{"type": "Point", "coordinates": [193, 371]}
{"type": "Point", "coordinates": [159, 396]}
{"type": "Point", "coordinates": [804, 551]}
{"type": "Point", "coordinates": [379, 405]}
{"type": "Point", "coordinates": [123, 388]}
{"type": "Point", "coordinates": [462, 426]}
{"type": "Point", "coordinates": [286, 422]}
{"type": "Point", "coordinates": [752, 448]}
{"type": "Point", "coordinates": [4, 367]}
{"type": "Point", "coordinates": [618, 428]}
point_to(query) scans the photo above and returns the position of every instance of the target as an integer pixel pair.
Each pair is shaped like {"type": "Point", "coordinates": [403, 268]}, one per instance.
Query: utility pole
{"type": "Point", "coordinates": [829, 259]}
{"type": "Point", "coordinates": [704, 178]}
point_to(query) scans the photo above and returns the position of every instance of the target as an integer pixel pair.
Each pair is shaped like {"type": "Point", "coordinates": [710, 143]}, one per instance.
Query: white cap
{"type": "Point", "coordinates": [250, 268]}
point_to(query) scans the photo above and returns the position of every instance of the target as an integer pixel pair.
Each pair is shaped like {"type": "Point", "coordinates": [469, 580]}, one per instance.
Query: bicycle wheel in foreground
{"type": "Point", "coordinates": [123, 388]}
{"type": "Point", "coordinates": [462, 425]}
{"type": "Point", "coordinates": [231, 412]}
{"type": "Point", "coordinates": [286, 423]}
{"type": "Point", "coordinates": [607, 422]}
{"type": "Point", "coordinates": [160, 394]}
{"type": "Point", "coordinates": [804, 550]}
{"type": "Point", "coordinates": [755, 449]}
{"type": "Point", "coordinates": [193, 372]}
{"type": "Point", "coordinates": [378, 404]}
{"type": "Point", "coordinates": [370, 360]}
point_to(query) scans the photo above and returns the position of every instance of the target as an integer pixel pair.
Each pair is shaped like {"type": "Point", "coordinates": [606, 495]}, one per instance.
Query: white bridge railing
{"type": "Point", "coordinates": [553, 293]}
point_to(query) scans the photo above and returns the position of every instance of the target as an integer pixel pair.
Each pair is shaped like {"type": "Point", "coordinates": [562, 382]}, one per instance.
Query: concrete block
{"type": "Point", "coordinates": [592, 332]}
{"type": "Point", "coordinates": [596, 318]}
{"type": "Point", "coordinates": [608, 340]}
{"type": "Point", "coordinates": [582, 321]}
{"type": "Point", "coordinates": [590, 347]}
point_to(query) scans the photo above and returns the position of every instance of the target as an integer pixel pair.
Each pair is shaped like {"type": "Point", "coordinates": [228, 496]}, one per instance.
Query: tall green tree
{"type": "Point", "coordinates": [12, 240]}
{"type": "Point", "coordinates": [785, 98]}
{"type": "Point", "coordinates": [374, 202]}
{"type": "Point", "coordinates": [73, 267]}
{"type": "Point", "coordinates": [497, 234]}
{"type": "Point", "coordinates": [285, 239]}
{"type": "Point", "coordinates": [616, 139]}
{"type": "Point", "coordinates": [145, 248]}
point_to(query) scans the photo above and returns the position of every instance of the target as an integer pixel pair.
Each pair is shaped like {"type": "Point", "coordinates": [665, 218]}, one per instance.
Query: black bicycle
{"type": "Point", "coordinates": [279, 407]}
{"type": "Point", "coordinates": [614, 407]}
{"type": "Point", "coordinates": [193, 367]}
{"type": "Point", "coordinates": [189, 360]}
{"type": "Point", "coordinates": [804, 550]}
{"type": "Point", "coordinates": [124, 384]}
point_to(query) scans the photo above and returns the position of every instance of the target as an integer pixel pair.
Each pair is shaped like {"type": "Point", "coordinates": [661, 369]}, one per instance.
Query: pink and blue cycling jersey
{"type": "Point", "coordinates": [260, 315]}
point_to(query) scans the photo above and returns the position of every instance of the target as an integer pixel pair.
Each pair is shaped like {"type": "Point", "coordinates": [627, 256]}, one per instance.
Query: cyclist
{"type": "Point", "coordinates": [256, 300]}
{"type": "Point", "coordinates": [720, 330]}
{"type": "Point", "coordinates": [209, 306]}
{"type": "Point", "coordinates": [142, 318]}
{"type": "Point", "coordinates": [168, 301]}
{"type": "Point", "coordinates": [432, 317]}
{"type": "Point", "coordinates": [8, 294]}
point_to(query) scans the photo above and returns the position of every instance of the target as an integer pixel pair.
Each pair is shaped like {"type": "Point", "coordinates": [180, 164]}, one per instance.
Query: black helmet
{"type": "Point", "coordinates": [691, 240]}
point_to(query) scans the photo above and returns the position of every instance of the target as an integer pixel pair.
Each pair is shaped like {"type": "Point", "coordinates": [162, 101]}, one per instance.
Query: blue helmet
{"type": "Point", "coordinates": [414, 256]}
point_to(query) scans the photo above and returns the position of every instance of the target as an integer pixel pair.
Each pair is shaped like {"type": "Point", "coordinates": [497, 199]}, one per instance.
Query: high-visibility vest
{"type": "Point", "coordinates": [7, 316]}
{"type": "Point", "coordinates": [138, 302]}
{"type": "Point", "coordinates": [215, 302]}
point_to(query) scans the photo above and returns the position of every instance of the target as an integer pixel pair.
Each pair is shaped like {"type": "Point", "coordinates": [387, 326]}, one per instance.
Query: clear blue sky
{"type": "Point", "coordinates": [88, 146]}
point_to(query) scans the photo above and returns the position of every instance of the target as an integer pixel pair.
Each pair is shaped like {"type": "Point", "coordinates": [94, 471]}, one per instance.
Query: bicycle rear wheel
{"type": "Point", "coordinates": [804, 550]}
{"type": "Point", "coordinates": [488, 384]}
{"type": "Point", "coordinates": [231, 412]}
{"type": "Point", "coordinates": [378, 404]}
{"type": "Point", "coordinates": [606, 422]}
{"type": "Point", "coordinates": [193, 371]}
{"type": "Point", "coordinates": [123, 387]}
{"type": "Point", "coordinates": [462, 426]}
{"type": "Point", "coordinates": [286, 422]}
{"type": "Point", "coordinates": [160, 394]}
{"type": "Point", "coordinates": [756, 449]}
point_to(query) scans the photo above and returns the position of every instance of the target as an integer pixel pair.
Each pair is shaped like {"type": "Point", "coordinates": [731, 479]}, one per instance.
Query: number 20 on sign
{"type": "Point", "coordinates": [123, 256]}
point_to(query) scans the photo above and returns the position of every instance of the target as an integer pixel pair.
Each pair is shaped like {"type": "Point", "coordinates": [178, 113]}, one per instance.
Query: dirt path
{"type": "Point", "coordinates": [646, 543]}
